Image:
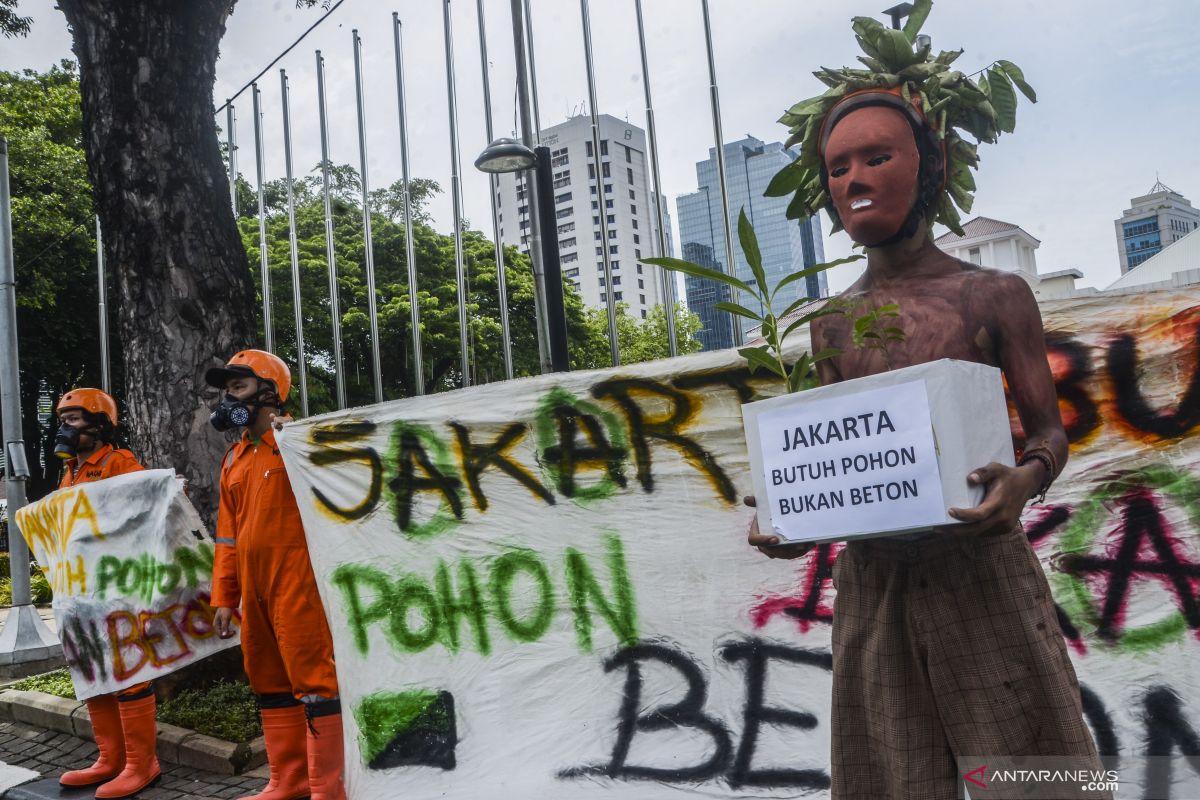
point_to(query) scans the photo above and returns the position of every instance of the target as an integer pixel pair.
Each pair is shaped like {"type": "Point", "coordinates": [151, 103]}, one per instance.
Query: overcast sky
{"type": "Point", "coordinates": [1116, 85]}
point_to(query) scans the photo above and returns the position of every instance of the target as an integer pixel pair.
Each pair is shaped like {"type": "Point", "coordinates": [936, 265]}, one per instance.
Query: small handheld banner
{"type": "Point", "coordinates": [130, 563]}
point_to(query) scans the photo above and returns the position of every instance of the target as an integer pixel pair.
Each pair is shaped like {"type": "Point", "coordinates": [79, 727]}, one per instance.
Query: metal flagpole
{"type": "Point", "coordinates": [264, 261]}
{"type": "Point", "coordinates": [610, 293]}
{"type": "Point", "coordinates": [409, 247]}
{"type": "Point", "coordinates": [231, 144]}
{"type": "Point", "coordinates": [301, 371]}
{"type": "Point", "coordinates": [493, 186]}
{"type": "Point", "coordinates": [102, 280]}
{"type": "Point", "coordinates": [335, 312]}
{"type": "Point", "coordinates": [660, 240]}
{"type": "Point", "coordinates": [372, 313]}
{"type": "Point", "coordinates": [715, 99]}
{"type": "Point", "coordinates": [533, 95]}
{"type": "Point", "coordinates": [25, 636]}
{"type": "Point", "coordinates": [456, 198]}
{"type": "Point", "coordinates": [529, 134]}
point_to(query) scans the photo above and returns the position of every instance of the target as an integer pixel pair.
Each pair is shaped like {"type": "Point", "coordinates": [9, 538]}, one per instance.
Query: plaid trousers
{"type": "Point", "coordinates": [942, 646]}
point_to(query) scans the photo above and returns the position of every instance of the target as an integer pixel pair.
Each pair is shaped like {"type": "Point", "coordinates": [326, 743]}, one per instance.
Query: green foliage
{"type": "Point", "coordinates": [39, 589]}
{"type": "Point", "coordinates": [12, 24]}
{"type": "Point", "coordinates": [54, 249]}
{"type": "Point", "coordinates": [638, 339]}
{"type": "Point", "coordinates": [949, 100]}
{"type": "Point", "coordinates": [5, 569]}
{"type": "Point", "coordinates": [875, 329]}
{"type": "Point", "coordinates": [57, 683]}
{"type": "Point", "coordinates": [225, 710]}
{"type": "Point", "coordinates": [767, 356]}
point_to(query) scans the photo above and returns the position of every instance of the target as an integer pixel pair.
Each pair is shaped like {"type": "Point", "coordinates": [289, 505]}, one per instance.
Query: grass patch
{"type": "Point", "coordinates": [57, 683]}
{"type": "Point", "coordinates": [225, 710]}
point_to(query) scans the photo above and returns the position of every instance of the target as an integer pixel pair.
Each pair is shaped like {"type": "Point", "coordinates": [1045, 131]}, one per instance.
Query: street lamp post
{"type": "Point", "coordinates": [508, 155]}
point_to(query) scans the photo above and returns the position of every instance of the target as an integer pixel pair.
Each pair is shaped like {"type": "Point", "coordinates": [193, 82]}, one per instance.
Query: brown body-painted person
{"type": "Point", "coordinates": [945, 643]}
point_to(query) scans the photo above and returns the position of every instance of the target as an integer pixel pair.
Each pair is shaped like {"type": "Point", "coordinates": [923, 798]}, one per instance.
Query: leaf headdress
{"type": "Point", "coordinates": [945, 100]}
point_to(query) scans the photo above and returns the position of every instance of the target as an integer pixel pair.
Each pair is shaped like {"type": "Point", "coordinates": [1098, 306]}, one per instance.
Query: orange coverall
{"type": "Point", "coordinates": [105, 462]}
{"type": "Point", "coordinates": [262, 561]}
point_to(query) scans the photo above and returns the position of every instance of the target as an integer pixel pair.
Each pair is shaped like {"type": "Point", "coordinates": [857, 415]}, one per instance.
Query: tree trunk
{"type": "Point", "coordinates": [185, 295]}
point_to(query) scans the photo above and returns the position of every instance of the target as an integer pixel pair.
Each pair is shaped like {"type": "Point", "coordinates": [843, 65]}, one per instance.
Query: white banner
{"type": "Point", "coordinates": [542, 588]}
{"type": "Point", "coordinates": [130, 563]}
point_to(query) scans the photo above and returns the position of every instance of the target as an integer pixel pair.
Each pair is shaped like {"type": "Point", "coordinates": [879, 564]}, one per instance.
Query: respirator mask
{"type": "Point", "coordinates": [66, 441]}
{"type": "Point", "coordinates": [232, 413]}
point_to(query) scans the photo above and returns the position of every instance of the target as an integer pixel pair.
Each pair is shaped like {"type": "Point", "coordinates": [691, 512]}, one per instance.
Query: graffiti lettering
{"type": "Point", "coordinates": [1138, 495]}
{"type": "Point", "coordinates": [478, 457]}
{"type": "Point", "coordinates": [413, 614]}
{"type": "Point", "coordinates": [722, 761]}
{"type": "Point", "coordinates": [573, 436]}
{"type": "Point", "coordinates": [48, 526]}
{"type": "Point", "coordinates": [1123, 368]}
{"type": "Point", "coordinates": [157, 638]}
{"type": "Point", "coordinates": [145, 577]}
{"type": "Point", "coordinates": [561, 418]}
{"type": "Point", "coordinates": [416, 447]}
{"type": "Point", "coordinates": [665, 428]}
{"type": "Point", "coordinates": [339, 433]}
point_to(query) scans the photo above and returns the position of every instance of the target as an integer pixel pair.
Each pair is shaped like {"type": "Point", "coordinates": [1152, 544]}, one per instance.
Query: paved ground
{"type": "Point", "coordinates": [51, 754]}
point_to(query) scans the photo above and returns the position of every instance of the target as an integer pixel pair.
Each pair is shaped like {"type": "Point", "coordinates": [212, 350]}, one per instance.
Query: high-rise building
{"type": "Point", "coordinates": [786, 245]}
{"type": "Point", "coordinates": [1153, 221]}
{"type": "Point", "coordinates": [627, 201]}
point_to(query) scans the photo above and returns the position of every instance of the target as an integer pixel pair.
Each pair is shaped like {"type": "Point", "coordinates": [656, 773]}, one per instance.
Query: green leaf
{"type": "Point", "coordinates": [750, 249]}
{"type": "Point", "coordinates": [984, 86]}
{"type": "Point", "coordinates": [948, 57]}
{"type": "Point", "coordinates": [800, 370]}
{"type": "Point", "coordinates": [916, 18]}
{"type": "Point", "coordinates": [868, 28]}
{"type": "Point", "coordinates": [826, 354]}
{"type": "Point", "coordinates": [813, 270]}
{"type": "Point", "coordinates": [1018, 77]}
{"type": "Point", "coordinates": [921, 71]}
{"type": "Point", "coordinates": [888, 310]}
{"type": "Point", "coordinates": [895, 50]}
{"type": "Point", "coordinates": [741, 311]}
{"type": "Point", "coordinates": [1004, 100]}
{"type": "Point", "coordinates": [697, 271]}
{"type": "Point", "coordinates": [761, 357]}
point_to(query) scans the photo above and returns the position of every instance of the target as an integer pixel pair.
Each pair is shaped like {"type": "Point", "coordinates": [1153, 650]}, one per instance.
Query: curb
{"type": "Point", "coordinates": [175, 745]}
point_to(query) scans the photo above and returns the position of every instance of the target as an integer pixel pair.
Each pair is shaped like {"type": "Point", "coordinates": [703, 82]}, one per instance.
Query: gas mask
{"type": "Point", "coordinates": [232, 413]}
{"type": "Point", "coordinates": [66, 441]}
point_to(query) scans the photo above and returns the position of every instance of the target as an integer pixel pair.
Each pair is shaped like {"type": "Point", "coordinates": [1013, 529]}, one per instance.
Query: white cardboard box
{"type": "Point", "coordinates": [881, 455]}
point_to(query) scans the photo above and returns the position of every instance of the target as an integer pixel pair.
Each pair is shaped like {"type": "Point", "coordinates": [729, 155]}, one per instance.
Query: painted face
{"type": "Point", "coordinates": [872, 161]}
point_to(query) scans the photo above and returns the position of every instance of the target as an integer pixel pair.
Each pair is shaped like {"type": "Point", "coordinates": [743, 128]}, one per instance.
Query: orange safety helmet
{"type": "Point", "coordinates": [258, 363]}
{"type": "Point", "coordinates": [93, 401]}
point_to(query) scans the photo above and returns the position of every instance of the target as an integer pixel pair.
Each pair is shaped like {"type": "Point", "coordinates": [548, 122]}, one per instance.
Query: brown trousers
{"type": "Point", "coordinates": [943, 646]}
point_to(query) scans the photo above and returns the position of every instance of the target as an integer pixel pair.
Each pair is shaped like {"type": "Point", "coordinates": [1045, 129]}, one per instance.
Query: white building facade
{"type": "Point", "coordinates": [622, 192]}
{"type": "Point", "coordinates": [1002, 245]}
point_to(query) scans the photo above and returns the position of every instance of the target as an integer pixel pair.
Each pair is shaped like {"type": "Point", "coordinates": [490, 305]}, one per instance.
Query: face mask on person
{"type": "Point", "coordinates": [66, 441]}
{"type": "Point", "coordinates": [232, 413]}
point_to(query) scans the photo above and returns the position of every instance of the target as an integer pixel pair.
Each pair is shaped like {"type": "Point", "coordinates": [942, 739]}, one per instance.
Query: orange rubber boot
{"type": "Point", "coordinates": [106, 730]}
{"type": "Point", "coordinates": [284, 730]}
{"type": "Point", "coordinates": [141, 759]}
{"type": "Point", "coordinates": [326, 757]}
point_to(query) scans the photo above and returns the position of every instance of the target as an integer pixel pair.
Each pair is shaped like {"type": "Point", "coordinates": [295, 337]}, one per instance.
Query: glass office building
{"type": "Point", "coordinates": [786, 245]}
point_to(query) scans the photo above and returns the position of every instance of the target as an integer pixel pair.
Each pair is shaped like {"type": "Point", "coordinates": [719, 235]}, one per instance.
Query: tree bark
{"type": "Point", "coordinates": [185, 293]}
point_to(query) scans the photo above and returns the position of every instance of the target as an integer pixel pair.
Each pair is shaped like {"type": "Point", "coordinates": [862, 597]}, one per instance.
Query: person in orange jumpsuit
{"type": "Point", "coordinates": [262, 563]}
{"type": "Point", "coordinates": [122, 723]}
